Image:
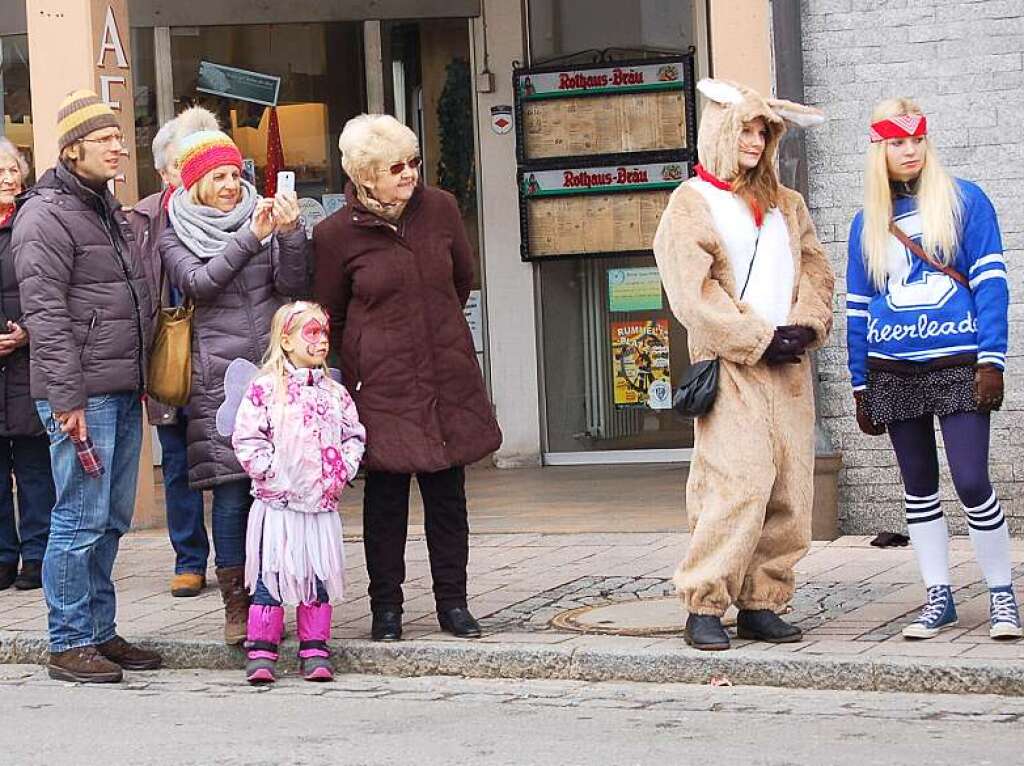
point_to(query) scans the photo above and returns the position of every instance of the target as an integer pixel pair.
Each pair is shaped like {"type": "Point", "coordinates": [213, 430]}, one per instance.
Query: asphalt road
{"type": "Point", "coordinates": [213, 718]}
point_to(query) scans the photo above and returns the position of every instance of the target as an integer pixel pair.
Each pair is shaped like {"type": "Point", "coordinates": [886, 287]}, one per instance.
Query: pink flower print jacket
{"type": "Point", "coordinates": [300, 447]}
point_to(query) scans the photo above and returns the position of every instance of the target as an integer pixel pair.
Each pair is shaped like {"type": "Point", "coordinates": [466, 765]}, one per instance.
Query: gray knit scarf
{"type": "Point", "coordinates": [205, 230]}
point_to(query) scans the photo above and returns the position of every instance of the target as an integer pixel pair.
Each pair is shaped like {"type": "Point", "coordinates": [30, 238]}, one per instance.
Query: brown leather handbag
{"type": "Point", "coordinates": [169, 378]}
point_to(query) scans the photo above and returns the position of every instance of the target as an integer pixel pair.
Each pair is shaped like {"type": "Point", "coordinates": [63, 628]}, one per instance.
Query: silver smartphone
{"type": "Point", "coordinates": [286, 181]}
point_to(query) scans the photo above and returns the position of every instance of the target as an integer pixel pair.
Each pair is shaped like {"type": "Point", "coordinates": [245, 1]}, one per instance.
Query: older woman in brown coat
{"type": "Point", "coordinates": [394, 268]}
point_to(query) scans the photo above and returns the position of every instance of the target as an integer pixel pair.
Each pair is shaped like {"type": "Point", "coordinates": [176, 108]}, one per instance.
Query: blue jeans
{"type": "Point", "coordinates": [185, 524]}
{"type": "Point", "coordinates": [231, 503]}
{"type": "Point", "coordinates": [27, 458]}
{"type": "Point", "coordinates": [88, 520]}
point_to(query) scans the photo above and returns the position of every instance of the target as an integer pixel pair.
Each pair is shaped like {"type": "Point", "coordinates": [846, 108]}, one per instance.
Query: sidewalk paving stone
{"type": "Point", "coordinates": [852, 600]}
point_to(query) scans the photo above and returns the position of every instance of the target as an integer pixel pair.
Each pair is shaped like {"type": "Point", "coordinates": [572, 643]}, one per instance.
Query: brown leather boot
{"type": "Point", "coordinates": [129, 656]}
{"type": "Point", "coordinates": [236, 603]}
{"type": "Point", "coordinates": [85, 665]}
{"type": "Point", "coordinates": [187, 584]}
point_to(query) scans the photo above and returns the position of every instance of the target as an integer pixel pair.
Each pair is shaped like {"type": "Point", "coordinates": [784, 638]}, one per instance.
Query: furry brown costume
{"type": "Point", "coordinates": [750, 487]}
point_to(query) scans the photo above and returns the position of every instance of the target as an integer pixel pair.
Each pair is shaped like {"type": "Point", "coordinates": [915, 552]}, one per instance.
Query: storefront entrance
{"type": "Point", "coordinates": [611, 350]}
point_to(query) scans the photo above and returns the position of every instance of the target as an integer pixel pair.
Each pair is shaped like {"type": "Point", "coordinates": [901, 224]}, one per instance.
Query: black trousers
{"type": "Point", "coordinates": [386, 525]}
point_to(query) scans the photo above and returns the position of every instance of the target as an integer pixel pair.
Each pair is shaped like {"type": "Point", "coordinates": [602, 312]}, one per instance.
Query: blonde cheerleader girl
{"type": "Point", "coordinates": [297, 435]}
{"type": "Point", "coordinates": [927, 301]}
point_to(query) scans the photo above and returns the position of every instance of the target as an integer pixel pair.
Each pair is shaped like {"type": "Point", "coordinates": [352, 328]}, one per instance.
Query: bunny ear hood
{"type": "Point", "coordinates": [729, 106]}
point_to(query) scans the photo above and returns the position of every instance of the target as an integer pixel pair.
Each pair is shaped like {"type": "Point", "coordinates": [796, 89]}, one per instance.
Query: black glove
{"type": "Point", "coordinates": [864, 421]}
{"type": "Point", "coordinates": [805, 336]}
{"type": "Point", "coordinates": [988, 387]}
{"type": "Point", "coordinates": [782, 350]}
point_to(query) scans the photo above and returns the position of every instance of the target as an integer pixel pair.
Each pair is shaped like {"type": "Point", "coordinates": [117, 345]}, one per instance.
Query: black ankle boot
{"type": "Point", "coordinates": [705, 632]}
{"type": "Point", "coordinates": [31, 576]}
{"type": "Point", "coordinates": [765, 625]}
{"type": "Point", "coordinates": [8, 573]}
{"type": "Point", "coordinates": [459, 622]}
{"type": "Point", "coordinates": [387, 625]}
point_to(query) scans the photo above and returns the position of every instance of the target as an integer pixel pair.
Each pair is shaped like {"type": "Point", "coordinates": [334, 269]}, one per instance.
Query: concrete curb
{"type": "Point", "coordinates": [660, 664]}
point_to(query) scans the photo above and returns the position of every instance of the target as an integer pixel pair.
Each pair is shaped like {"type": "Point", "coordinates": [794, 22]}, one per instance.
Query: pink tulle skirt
{"type": "Point", "coordinates": [291, 550]}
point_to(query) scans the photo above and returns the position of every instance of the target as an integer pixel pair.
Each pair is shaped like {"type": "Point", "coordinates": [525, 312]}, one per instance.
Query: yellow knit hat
{"type": "Point", "coordinates": [81, 112]}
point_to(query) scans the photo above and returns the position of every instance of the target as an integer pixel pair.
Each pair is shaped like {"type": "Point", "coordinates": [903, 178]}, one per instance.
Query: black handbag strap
{"type": "Point", "coordinates": [750, 268]}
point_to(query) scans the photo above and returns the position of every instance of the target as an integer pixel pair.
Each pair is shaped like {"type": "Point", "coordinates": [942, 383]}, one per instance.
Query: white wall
{"type": "Point", "coordinates": [508, 282]}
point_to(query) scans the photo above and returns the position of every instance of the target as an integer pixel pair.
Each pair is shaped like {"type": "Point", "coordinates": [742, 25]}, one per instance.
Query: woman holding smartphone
{"type": "Point", "coordinates": [238, 257]}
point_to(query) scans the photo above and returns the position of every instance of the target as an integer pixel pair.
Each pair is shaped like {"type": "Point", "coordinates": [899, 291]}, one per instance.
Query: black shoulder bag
{"type": "Point", "coordinates": [699, 387]}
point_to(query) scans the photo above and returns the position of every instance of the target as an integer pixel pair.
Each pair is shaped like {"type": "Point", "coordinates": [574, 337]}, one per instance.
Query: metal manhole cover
{"type": "Point", "coordinates": [638, 617]}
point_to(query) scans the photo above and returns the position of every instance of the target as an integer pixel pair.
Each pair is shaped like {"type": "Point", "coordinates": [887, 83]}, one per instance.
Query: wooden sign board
{"type": "Point", "coordinates": [571, 115]}
{"type": "Point", "coordinates": [604, 210]}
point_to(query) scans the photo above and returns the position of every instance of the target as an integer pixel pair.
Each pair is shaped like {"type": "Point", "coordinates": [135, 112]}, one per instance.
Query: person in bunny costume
{"type": "Point", "coordinates": [732, 231]}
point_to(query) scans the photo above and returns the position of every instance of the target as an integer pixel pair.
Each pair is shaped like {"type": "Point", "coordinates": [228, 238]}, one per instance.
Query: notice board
{"type": "Point", "coordinates": [600, 147]}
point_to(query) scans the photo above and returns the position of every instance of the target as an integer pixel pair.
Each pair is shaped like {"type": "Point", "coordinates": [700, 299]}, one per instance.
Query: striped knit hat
{"type": "Point", "coordinates": [81, 112]}
{"type": "Point", "coordinates": [201, 152]}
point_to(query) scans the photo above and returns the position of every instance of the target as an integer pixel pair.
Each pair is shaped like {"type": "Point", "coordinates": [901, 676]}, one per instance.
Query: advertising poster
{"type": "Point", "coordinates": [634, 289]}
{"type": "Point", "coordinates": [640, 364]}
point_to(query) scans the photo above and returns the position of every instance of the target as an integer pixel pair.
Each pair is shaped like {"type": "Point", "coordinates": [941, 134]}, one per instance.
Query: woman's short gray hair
{"type": "Point", "coordinates": [7, 147]}
{"type": "Point", "coordinates": [372, 141]}
{"type": "Point", "coordinates": [162, 142]}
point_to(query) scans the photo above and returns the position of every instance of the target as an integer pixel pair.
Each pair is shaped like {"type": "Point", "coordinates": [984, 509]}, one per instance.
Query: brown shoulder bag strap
{"type": "Point", "coordinates": [917, 250]}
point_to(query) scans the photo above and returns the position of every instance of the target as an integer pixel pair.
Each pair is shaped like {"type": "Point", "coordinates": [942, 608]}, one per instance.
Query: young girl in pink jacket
{"type": "Point", "coordinates": [298, 436]}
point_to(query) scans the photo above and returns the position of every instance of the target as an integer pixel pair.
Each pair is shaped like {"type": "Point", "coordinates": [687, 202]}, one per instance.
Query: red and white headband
{"type": "Point", "coordinates": [901, 126]}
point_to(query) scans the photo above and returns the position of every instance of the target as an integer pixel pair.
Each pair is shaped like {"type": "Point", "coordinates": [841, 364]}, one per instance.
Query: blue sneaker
{"type": "Point", "coordinates": [937, 614]}
{"type": "Point", "coordinates": [1004, 617]}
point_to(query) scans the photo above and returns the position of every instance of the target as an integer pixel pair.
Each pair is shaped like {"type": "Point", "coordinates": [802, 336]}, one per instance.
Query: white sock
{"type": "Point", "coordinates": [929, 535]}
{"type": "Point", "coordinates": [991, 539]}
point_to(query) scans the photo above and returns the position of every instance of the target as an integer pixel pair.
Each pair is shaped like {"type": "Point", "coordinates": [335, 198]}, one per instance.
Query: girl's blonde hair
{"type": "Point", "coordinates": [938, 201]}
{"type": "Point", "coordinates": [294, 316]}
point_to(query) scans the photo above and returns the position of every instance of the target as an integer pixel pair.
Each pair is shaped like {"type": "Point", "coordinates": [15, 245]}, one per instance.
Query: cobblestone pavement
{"type": "Point", "coordinates": [212, 717]}
{"type": "Point", "coordinates": [852, 598]}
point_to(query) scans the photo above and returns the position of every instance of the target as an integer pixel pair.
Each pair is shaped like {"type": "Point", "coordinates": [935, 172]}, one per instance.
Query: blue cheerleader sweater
{"type": "Point", "coordinates": [921, 314]}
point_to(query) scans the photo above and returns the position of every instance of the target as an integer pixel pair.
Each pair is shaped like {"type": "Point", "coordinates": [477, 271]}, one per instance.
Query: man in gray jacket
{"type": "Point", "coordinates": [89, 316]}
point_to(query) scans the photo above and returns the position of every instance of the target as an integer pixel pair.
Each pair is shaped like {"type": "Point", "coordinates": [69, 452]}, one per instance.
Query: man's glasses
{"type": "Point", "coordinates": [115, 139]}
{"type": "Point", "coordinates": [398, 167]}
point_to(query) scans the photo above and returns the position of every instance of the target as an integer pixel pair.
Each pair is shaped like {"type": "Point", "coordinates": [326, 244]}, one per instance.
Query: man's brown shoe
{"type": "Point", "coordinates": [84, 665]}
{"type": "Point", "coordinates": [187, 584]}
{"type": "Point", "coordinates": [129, 656]}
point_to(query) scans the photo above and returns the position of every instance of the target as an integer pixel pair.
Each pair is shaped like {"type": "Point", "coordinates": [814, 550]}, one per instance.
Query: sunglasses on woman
{"type": "Point", "coordinates": [398, 167]}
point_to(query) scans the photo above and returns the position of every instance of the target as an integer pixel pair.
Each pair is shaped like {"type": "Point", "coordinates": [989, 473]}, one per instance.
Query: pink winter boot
{"type": "Point", "coordinates": [264, 629]}
{"type": "Point", "coordinates": [314, 630]}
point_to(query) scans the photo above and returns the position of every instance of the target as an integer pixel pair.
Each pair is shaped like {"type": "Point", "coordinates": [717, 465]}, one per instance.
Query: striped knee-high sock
{"type": "Point", "coordinates": [929, 535]}
{"type": "Point", "coordinates": [991, 539]}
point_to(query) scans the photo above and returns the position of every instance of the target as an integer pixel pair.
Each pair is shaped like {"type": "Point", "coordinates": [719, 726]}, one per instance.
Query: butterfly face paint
{"type": "Point", "coordinates": [307, 344]}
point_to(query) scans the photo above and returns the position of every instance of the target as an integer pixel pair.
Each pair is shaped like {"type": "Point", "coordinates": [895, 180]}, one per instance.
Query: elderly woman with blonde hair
{"type": "Point", "coordinates": [394, 268]}
{"type": "Point", "coordinates": [24, 446]}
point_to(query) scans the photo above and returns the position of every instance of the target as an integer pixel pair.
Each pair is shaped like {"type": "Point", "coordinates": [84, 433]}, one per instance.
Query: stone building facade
{"type": "Point", "coordinates": [964, 63]}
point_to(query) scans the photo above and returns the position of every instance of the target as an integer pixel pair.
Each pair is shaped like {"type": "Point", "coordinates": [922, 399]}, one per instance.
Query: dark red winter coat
{"type": "Point", "coordinates": [406, 353]}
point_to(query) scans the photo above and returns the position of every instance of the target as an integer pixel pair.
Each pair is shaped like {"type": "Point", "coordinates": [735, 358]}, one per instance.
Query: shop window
{"type": "Point", "coordinates": [146, 121]}
{"type": "Point", "coordinates": [322, 86]}
{"type": "Point", "coordinates": [16, 94]}
{"type": "Point", "coordinates": [612, 351]}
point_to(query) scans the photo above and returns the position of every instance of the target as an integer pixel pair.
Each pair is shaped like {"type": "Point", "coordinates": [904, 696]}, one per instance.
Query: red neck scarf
{"type": "Point", "coordinates": [718, 183]}
{"type": "Point", "coordinates": [5, 217]}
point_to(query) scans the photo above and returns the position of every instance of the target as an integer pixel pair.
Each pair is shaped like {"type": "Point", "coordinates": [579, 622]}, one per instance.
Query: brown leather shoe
{"type": "Point", "coordinates": [187, 584]}
{"type": "Point", "coordinates": [84, 665]}
{"type": "Point", "coordinates": [129, 656]}
{"type": "Point", "coordinates": [236, 603]}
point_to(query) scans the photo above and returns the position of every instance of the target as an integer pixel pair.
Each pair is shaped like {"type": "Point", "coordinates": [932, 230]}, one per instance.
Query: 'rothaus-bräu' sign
{"type": "Point", "coordinates": [613, 79]}
{"type": "Point", "coordinates": [550, 183]}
